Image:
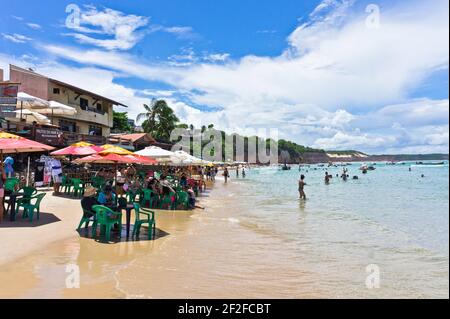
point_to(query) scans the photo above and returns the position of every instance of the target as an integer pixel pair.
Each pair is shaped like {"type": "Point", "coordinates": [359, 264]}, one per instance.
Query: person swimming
{"type": "Point", "coordinates": [301, 187]}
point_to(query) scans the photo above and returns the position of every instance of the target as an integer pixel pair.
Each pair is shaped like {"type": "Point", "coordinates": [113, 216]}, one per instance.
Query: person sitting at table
{"type": "Point", "coordinates": [107, 197]}
{"type": "Point", "coordinates": [165, 184]}
{"type": "Point", "coordinates": [191, 195]}
{"type": "Point", "coordinates": [89, 200]}
{"type": "Point", "coordinates": [183, 180]}
{"type": "Point", "coordinates": [121, 179]}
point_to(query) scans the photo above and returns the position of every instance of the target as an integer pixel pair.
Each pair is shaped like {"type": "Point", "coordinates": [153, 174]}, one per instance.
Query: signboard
{"type": "Point", "coordinates": [49, 136]}
{"type": "Point", "coordinates": [8, 99]}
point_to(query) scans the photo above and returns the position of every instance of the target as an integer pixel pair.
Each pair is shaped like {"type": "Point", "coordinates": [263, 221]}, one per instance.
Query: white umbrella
{"type": "Point", "coordinates": [56, 108]}
{"type": "Point", "coordinates": [181, 157]}
{"type": "Point", "coordinates": [157, 153]}
{"type": "Point", "coordinates": [28, 101]}
{"type": "Point", "coordinates": [31, 116]}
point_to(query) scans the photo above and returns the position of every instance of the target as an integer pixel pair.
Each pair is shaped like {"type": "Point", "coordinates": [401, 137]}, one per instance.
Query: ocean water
{"type": "Point", "coordinates": [392, 219]}
{"type": "Point", "coordinates": [384, 235]}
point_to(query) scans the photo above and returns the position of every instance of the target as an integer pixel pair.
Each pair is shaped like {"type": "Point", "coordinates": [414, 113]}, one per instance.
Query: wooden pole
{"type": "Point", "coordinates": [28, 172]}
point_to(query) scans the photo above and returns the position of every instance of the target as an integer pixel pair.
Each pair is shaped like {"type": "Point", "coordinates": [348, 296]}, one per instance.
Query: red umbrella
{"type": "Point", "coordinates": [78, 149]}
{"type": "Point", "coordinates": [10, 143]}
{"type": "Point", "coordinates": [109, 157]}
{"type": "Point", "coordinates": [116, 159]}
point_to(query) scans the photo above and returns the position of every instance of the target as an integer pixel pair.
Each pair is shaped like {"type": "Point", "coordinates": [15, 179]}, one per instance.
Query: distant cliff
{"type": "Point", "coordinates": [356, 156]}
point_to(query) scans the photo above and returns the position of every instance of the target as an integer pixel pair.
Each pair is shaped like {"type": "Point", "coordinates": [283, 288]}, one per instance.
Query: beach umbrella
{"type": "Point", "coordinates": [57, 108]}
{"type": "Point", "coordinates": [157, 153]}
{"type": "Point", "coordinates": [184, 158]}
{"type": "Point", "coordinates": [28, 101]}
{"type": "Point", "coordinates": [31, 116]}
{"type": "Point", "coordinates": [112, 149]}
{"type": "Point", "coordinates": [10, 144]}
{"type": "Point", "coordinates": [115, 156]}
{"type": "Point", "coordinates": [78, 149]}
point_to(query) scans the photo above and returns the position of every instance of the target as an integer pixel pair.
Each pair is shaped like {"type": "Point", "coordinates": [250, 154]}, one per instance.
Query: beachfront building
{"type": "Point", "coordinates": [94, 118]}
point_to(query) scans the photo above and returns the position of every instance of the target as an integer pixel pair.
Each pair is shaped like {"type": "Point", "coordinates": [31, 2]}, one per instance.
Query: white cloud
{"type": "Point", "coordinates": [34, 26]}
{"type": "Point", "coordinates": [123, 28]}
{"type": "Point", "coordinates": [338, 84]}
{"type": "Point", "coordinates": [217, 57]}
{"type": "Point", "coordinates": [15, 37]}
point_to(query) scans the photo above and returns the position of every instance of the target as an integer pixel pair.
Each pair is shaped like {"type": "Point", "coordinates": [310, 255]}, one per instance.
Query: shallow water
{"type": "Point", "coordinates": [256, 240]}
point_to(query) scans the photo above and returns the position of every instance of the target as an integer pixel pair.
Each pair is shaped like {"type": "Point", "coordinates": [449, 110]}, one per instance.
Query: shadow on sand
{"type": "Point", "coordinates": [87, 233]}
{"type": "Point", "coordinates": [44, 219]}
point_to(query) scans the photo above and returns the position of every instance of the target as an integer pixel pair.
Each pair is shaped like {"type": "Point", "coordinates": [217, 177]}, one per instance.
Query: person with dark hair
{"type": "Point", "coordinates": [301, 187]}
{"type": "Point", "coordinates": [89, 201]}
{"type": "Point", "coordinates": [226, 174]}
{"type": "Point", "coordinates": [183, 180]}
{"type": "Point", "coordinates": [107, 196]}
{"type": "Point", "coordinates": [327, 178]}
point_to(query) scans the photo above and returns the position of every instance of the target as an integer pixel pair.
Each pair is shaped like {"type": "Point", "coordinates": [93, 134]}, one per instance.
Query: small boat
{"type": "Point", "coordinates": [432, 164]}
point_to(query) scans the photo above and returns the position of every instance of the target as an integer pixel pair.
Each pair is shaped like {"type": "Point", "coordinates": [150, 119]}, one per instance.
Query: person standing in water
{"type": "Point", "coordinates": [237, 171]}
{"type": "Point", "coordinates": [327, 178]}
{"type": "Point", "coordinates": [301, 187]}
{"type": "Point", "coordinates": [226, 174]}
{"type": "Point", "coordinates": [243, 172]}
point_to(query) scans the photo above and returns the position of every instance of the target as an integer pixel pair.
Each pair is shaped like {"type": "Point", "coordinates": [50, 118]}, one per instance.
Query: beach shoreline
{"type": "Point", "coordinates": [24, 242]}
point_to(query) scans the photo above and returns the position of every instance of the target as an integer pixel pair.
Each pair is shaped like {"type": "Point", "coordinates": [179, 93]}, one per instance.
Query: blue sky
{"type": "Point", "coordinates": [333, 74]}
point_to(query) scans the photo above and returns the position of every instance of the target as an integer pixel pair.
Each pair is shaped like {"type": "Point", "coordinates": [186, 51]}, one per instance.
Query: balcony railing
{"type": "Point", "coordinates": [93, 109]}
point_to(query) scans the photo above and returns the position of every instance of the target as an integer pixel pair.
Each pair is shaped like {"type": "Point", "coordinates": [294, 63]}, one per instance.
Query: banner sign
{"type": "Point", "coordinates": [8, 99]}
{"type": "Point", "coordinates": [49, 136]}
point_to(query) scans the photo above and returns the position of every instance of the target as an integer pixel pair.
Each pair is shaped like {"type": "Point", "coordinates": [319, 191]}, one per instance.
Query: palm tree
{"type": "Point", "coordinates": [159, 120]}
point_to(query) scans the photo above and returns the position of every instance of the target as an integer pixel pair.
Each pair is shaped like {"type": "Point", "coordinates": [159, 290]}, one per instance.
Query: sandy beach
{"type": "Point", "coordinates": [244, 244]}
{"type": "Point", "coordinates": [196, 254]}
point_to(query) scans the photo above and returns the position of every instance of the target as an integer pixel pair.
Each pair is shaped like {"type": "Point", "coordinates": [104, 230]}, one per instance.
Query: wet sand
{"type": "Point", "coordinates": [198, 254]}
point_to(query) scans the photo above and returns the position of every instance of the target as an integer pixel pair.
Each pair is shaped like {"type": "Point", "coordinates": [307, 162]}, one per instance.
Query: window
{"type": "Point", "coordinates": [84, 104]}
{"type": "Point", "coordinates": [95, 130]}
{"type": "Point", "coordinates": [68, 126]}
{"type": "Point", "coordinates": [56, 91]}
{"type": "Point", "coordinates": [99, 106]}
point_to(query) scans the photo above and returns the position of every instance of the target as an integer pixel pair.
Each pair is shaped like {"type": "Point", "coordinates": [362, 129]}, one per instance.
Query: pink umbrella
{"type": "Point", "coordinates": [78, 149]}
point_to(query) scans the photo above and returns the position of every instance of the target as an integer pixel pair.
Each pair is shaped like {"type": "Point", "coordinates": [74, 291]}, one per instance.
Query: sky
{"type": "Point", "coordinates": [332, 74]}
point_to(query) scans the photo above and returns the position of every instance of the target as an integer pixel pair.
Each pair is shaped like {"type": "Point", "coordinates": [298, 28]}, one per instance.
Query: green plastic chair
{"type": "Point", "coordinates": [167, 200]}
{"type": "Point", "coordinates": [183, 199]}
{"type": "Point", "coordinates": [27, 192]}
{"type": "Point", "coordinates": [139, 221]}
{"type": "Point", "coordinates": [66, 184]}
{"type": "Point", "coordinates": [11, 184]}
{"type": "Point", "coordinates": [30, 208]}
{"type": "Point", "coordinates": [87, 220]}
{"type": "Point", "coordinates": [98, 181]}
{"type": "Point", "coordinates": [148, 196]}
{"type": "Point", "coordinates": [106, 221]}
{"type": "Point", "coordinates": [78, 187]}
{"type": "Point", "coordinates": [131, 196]}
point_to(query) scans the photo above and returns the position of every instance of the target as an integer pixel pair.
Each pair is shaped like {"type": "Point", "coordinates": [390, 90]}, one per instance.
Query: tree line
{"type": "Point", "coordinates": [159, 119]}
